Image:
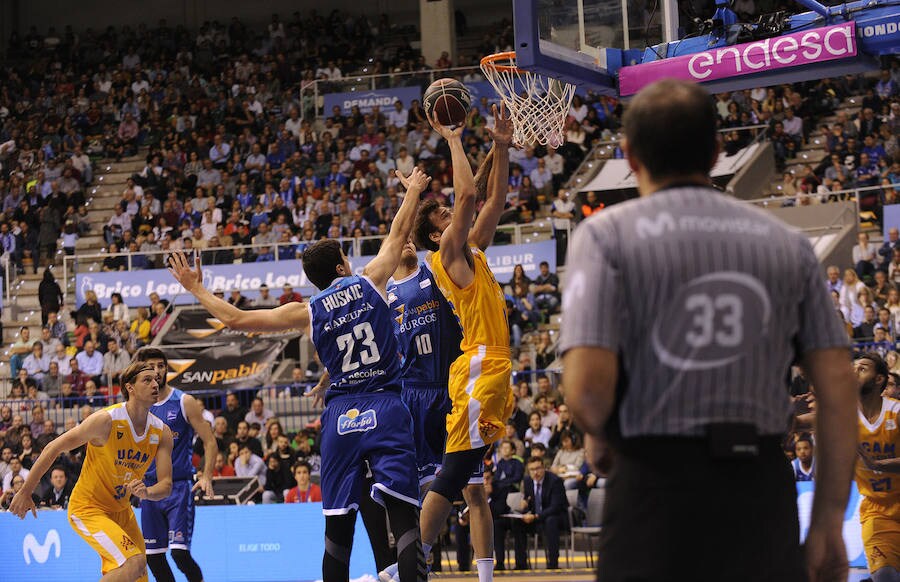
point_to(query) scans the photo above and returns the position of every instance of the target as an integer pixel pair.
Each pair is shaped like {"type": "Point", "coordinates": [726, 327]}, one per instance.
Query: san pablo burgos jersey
{"type": "Point", "coordinates": [353, 331]}
{"type": "Point", "coordinates": [427, 330]}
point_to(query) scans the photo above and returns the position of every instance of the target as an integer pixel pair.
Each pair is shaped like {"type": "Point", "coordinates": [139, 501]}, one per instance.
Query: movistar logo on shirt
{"type": "Point", "coordinates": [342, 297]}
{"type": "Point", "coordinates": [356, 421]}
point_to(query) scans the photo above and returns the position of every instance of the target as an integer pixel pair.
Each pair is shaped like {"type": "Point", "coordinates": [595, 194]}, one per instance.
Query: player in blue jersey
{"type": "Point", "coordinates": [429, 334]}
{"type": "Point", "coordinates": [351, 326]}
{"type": "Point", "coordinates": [168, 525]}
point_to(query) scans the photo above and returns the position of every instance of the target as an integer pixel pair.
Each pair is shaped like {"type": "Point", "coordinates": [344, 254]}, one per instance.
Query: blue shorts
{"type": "Point", "coordinates": [169, 523]}
{"type": "Point", "coordinates": [429, 406]}
{"type": "Point", "coordinates": [374, 427]}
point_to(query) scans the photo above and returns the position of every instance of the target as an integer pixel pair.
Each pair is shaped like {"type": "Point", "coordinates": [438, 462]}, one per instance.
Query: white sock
{"type": "Point", "coordinates": [485, 569]}
{"type": "Point", "coordinates": [426, 549]}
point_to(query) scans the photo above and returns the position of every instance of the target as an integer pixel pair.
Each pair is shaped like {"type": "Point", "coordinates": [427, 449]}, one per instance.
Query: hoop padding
{"type": "Point", "coordinates": [537, 104]}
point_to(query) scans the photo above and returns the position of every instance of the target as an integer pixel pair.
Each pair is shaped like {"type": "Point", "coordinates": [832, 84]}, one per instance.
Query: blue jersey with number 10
{"type": "Point", "coordinates": [427, 330]}
{"type": "Point", "coordinates": [352, 330]}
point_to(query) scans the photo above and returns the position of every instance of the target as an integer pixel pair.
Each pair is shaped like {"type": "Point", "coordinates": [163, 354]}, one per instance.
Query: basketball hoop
{"type": "Point", "coordinates": [537, 104]}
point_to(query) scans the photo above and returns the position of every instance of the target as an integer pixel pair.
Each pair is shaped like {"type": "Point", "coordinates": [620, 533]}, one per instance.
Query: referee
{"type": "Point", "coordinates": [682, 313]}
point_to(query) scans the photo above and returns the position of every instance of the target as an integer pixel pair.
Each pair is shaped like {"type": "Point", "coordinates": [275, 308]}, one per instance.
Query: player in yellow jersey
{"type": "Point", "coordinates": [878, 469]}
{"type": "Point", "coordinates": [480, 378]}
{"type": "Point", "coordinates": [122, 441]}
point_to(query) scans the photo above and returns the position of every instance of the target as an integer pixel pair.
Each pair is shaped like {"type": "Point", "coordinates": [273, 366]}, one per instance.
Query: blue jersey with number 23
{"type": "Point", "coordinates": [352, 329]}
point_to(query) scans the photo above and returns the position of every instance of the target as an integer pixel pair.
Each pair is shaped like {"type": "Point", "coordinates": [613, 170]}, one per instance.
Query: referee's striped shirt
{"type": "Point", "coordinates": [707, 301]}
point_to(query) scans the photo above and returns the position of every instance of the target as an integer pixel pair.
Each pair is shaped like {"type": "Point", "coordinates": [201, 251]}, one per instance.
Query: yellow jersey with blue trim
{"type": "Point", "coordinates": [881, 440]}
{"type": "Point", "coordinates": [480, 306]}
{"type": "Point", "coordinates": [124, 456]}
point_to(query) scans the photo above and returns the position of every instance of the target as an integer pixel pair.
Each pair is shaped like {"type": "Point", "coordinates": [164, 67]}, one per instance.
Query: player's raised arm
{"type": "Point", "coordinates": [455, 236]}
{"type": "Point", "coordinates": [288, 316]}
{"type": "Point", "coordinates": [95, 429]}
{"type": "Point", "coordinates": [380, 269]}
{"type": "Point", "coordinates": [482, 234]}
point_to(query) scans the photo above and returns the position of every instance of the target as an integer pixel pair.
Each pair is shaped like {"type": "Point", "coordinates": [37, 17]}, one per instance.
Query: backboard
{"type": "Point", "coordinates": [583, 41]}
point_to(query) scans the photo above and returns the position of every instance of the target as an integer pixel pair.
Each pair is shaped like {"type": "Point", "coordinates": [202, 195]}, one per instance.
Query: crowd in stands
{"type": "Point", "coordinates": [234, 157]}
{"type": "Point", "coordinates": [861, 149]}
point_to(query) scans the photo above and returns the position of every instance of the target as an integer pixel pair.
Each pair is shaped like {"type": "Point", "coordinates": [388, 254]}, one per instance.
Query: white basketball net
{"type": "Point", "coordinates": [539, 110]}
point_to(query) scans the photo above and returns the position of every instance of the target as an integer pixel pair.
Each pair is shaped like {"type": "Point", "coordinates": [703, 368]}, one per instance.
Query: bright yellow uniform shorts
{"type": "Point", "coordinates": [482, 398]}
{"type": "Point", "coordinates": [115, 536]}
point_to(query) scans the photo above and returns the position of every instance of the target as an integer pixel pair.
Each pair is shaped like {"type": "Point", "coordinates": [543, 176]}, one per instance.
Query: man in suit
{"type": "Point", "coordinates": [545, 507]}
{"type": "Point", "coordinates": [57, 496]}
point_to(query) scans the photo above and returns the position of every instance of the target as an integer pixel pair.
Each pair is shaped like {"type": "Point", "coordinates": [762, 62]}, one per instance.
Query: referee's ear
{"type": "Point", "coordinates": [626, 150]}
{"type": "Point", "coordinates": [717, 149]}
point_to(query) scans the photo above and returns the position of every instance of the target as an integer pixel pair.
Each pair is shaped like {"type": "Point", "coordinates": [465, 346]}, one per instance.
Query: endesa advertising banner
{"type": "Point", "coordinates": [246, 364]}
{"type": "Point", "coordinates": [366, 100]}
{"type": "Point", "coordinates": [136, 286]}
{"type": "Point", "coordinates": [797, 49]}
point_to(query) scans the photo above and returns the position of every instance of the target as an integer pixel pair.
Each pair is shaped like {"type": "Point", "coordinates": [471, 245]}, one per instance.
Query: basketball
{"type": "Point", "coordinates": [448, 101]}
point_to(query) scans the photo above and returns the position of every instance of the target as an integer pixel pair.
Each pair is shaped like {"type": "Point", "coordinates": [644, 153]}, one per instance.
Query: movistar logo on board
{"type": "Point", "coordinates": [40, 553]}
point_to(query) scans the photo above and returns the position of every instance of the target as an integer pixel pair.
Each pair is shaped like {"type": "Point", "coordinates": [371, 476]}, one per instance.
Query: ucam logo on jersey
{"type": "Point", "coordinates": [356, 421]}
{"type": "Point", "coordinates": [40, 553]}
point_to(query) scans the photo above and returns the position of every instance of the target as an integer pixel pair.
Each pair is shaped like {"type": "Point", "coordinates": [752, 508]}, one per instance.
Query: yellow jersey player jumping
{"type": "Point", "coordinates": [878, 469]}
{"type": "Point", "coordinates": [479, 383]}
{"type": "Point", "coordinates": [122, 441]}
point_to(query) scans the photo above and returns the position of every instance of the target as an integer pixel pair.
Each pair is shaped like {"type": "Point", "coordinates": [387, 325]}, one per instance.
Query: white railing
{"type": "Point", "coordinates": [519, 234]}
{"type": "Point", "coordinates": [367, 82]}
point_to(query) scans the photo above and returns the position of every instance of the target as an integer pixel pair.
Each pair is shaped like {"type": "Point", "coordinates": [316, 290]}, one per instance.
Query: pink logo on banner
{"type": "Point", "coordinates": [828, 43]}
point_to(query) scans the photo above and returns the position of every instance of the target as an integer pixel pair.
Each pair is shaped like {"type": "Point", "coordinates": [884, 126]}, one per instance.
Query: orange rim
{"type": "Point", "coordinates": [491, 61]}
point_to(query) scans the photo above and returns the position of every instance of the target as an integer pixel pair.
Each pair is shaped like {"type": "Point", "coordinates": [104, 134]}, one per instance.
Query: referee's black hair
{"type": "Point", "coordinates": [671, 129]}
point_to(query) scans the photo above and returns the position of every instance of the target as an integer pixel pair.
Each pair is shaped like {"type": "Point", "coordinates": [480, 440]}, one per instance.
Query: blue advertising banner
{"type": "Point", "coordinates": [136, 286]}
{"type": "Point", "coordinates": [366, 100]}
{"type": "Point", "coordinates": [235, 544]}
{"type": "Point", "coordinates": [231, 544]}
{"type": "Point", "coordinates": [852, 529]}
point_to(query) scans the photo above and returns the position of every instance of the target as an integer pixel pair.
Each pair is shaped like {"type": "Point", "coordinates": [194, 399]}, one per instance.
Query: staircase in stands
{"type": "Point", "coordinates": [22, 308]}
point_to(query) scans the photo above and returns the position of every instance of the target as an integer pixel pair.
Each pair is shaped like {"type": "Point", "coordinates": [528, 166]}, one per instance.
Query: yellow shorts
{"type": "Point", "coordinates": [115, 536]}
{"type": "Point", "coordinates": [482, 399]}
{"type": "Point", "coordinates": [880, 521]}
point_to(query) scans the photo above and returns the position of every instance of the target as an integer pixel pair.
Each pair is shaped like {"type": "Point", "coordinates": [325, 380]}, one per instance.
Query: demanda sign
{"type": "Point", "coordinates": [781, 52]}
{"type": "Point", "coordinates": [136, 286]}
{"type": "Point", "coordinates": [366, 100]}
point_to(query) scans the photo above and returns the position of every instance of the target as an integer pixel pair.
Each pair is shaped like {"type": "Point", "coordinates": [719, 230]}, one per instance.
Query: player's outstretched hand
{"type": "Point", "coordinates": [204, 484]}
{"type": "Point", "coordinates": [502, 132]}
{"type": "Point", "coordinates": [137, 488]}
{"type": "Point", "coordinates": [416, 182]}
{"type": "Point", "coordinates": [21, 504]}
{"type": "Point", "coordinates": [190, 278]}
{"type": "Point", "coordinates": [445, 132]}
{"type": "Point", "coordinates": [317, 392]}
{"type": "Point", "coordinates": [826, 554]}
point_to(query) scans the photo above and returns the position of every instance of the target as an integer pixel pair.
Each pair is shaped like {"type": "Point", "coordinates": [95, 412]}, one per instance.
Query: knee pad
{"type": "Point", "coordinates": [187, 565]}
{"type": "Point", "coordinates": [456, 470]}
{"type": "Point", "coordinates": [339, 531]}
{"type": "Point", "coordinates": [159, 565]}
